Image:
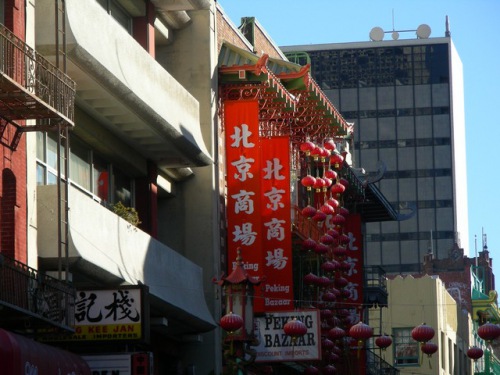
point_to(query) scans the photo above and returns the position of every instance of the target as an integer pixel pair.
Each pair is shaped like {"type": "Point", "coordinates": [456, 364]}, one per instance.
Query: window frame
{"type": "Point", "coordinates": [409, 343]}
{"type": "Point", "coordinates": [47, 174]}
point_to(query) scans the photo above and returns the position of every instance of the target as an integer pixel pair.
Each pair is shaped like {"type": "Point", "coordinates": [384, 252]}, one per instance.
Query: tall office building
{"type": "Point", "coordinates": [405, 97]}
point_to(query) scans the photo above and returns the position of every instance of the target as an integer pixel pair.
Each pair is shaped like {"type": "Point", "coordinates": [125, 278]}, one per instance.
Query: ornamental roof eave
{"type": "Point", "coordinates": [302, 80]}
{"type": "Point", "coordinates": [486, 306]}
{"type": "Point", "coordinates": [297, 100]}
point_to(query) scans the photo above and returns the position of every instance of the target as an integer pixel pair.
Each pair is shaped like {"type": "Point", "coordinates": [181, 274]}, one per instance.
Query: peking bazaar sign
{"type": "Point", "coordinates": [275, 345]}
{"type": "Point", "coordinates": [258, 204]}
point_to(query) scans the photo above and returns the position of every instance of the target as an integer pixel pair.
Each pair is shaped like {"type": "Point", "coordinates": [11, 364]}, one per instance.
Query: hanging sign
{"type": "Point", "coordinates": [275, 345]}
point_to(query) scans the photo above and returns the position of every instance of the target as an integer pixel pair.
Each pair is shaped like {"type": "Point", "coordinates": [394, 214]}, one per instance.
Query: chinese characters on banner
{"type": "Point", "coordinates": [258, 204]}
{"type": "Point", "coordinates": [276, 230]}
{"type": "Point", "coordinates": [354, 258]}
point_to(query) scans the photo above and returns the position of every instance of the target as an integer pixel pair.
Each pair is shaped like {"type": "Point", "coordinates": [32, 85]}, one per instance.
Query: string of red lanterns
{"type": "Point", "coordinates": [324, 189]}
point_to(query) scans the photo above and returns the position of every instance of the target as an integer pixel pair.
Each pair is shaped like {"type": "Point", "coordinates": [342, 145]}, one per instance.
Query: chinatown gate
{"type": "Point", "coordinates": [294, 212]}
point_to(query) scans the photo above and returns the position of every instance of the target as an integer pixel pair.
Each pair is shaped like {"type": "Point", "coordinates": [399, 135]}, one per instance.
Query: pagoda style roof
{"type": "Point", "coordinates": [291, 102]}
{"type": "Point", "coordinates": [239, 275]}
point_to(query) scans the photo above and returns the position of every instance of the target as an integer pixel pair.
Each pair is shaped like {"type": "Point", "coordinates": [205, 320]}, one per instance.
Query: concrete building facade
{"type": "Point", "coordinates": [405, 98]}
{"type": "Point", "coordinates": [432, 305]}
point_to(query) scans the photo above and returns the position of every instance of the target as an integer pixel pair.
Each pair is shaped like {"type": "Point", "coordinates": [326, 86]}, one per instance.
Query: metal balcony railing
{"type": "Point", "coordinates": [32, 87]}
{"type": "Point", "coordinates": [304, 226]}
{"type": "Point", "coordinates": [375, 287]}
{"type": "Point", "coordinates": [22, 288]}
{"type": "Point", "coordinates": [377, 366]}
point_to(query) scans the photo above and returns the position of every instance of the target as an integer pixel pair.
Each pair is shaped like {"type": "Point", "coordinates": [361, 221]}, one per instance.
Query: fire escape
{"type": "Point", "coordinates": [36, 95]}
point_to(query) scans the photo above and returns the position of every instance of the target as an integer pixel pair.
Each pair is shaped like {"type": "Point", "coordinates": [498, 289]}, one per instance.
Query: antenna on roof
{"type": "Point", "coordinates": [475, 248]}
{"type": "Point", "coordinates": [447, 32]}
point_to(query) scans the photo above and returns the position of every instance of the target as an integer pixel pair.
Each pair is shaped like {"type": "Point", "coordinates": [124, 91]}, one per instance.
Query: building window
{"type": "Point", "coordinates": [405, 348]}
{"type": "Point", "coordinates": [2, 12]}
{"type": "Point", "coordinates": [88, 171]}
{"type": "Point", "coordinates": [116, 11]}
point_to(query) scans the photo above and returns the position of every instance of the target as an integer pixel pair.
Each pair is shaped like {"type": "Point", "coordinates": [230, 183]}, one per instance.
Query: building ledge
{"type": "Point", "coordinates": [123, 87]}
{"type": "Point", "coordinates": [105, 250]}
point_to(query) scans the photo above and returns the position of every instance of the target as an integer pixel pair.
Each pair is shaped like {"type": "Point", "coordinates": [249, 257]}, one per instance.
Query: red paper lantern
{"type": "Point", "coordinates": [321, 248]}
{"type": "Point", "coordinates": [308, 211]}
{"type": "Point", "coordinates": [324, 154]}
{"type": "Point", "coordinates": [327, 344]}
{"type": "Point", "coordinates": [383, 342]}
{"type": "Point", "coordinates": [344, 211]}
{"type": "Point", "coordinates": [328, 297]}
{"type": "Point", "coordinates": [319, 184]}
{"type": "Point", "coordinates": [319, 217]}
{"type": "Point", "coordinates": [316, 153]}
{"type": "Point", "coordinates": [337, 188]}
{"type": "Point", "coordinates": [308, 244]}
{"type": "Point", "coordinates": [429, 348]}
{"type": "Point", "coordinates": [331, 174]}
{"type": "Point", "coordinates": [329, 144]}
{"type": "Point", "coordinates": [336, 333]}
{"type": "Point", "coordinates": [325, 314]}
{"type": "Point", "coordinates": [339, 251]}
{"type": "Point", "coordinates": [344, 182]}
{"type": "Point", "coordinates": [422, 333]}
{"type": "Point", "coordinates": [295, 328]}
{"type": "Point", "coordinates": [338, 220]}
{"type": "Point", "coordinates": [307, 147]}
{"type": "Point", "coordinates": [310, 279]}
{"type": "Point", "coordinates": [326, 239]}
{"type": "Point", "coordinates": [324, 281]}
{"type": "Point", "coordinates": [231, 322]}
{"type": "Point", "coordinates": [327, 209]}
{"type": "Point", "coordinates": [336, 159]}
{"type": "Point", "coordinates": [361, 331]}
{"type": "Point", "coordinates": [345, 266]}
{"type": "Point", "coordinates": [333, 233]}
{"type": "Point", "coordinates": [328, 183]}
{"type": "Point", "coordinates": [333, 202]}
{"type": "Point", "coordinates": [488, 332]}
{"type": "Point", "coordinates": [308, 181]}
{"type": "Point", "coordinates": [475, 353]}
{"type": "Point", "coordinates": [329, 266]}
{"type": "Point", "coordinates": [341, 282]}
{"type": "Point", "coordinates": [344, 239]}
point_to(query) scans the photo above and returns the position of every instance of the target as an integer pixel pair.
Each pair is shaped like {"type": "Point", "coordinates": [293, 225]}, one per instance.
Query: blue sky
{"type": "Point", "coordinates": [475, 31]}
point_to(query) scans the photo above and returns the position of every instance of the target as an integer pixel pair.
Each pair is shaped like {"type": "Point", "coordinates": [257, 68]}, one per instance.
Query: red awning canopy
{"type": "Point", "coordinates": [20, 355]}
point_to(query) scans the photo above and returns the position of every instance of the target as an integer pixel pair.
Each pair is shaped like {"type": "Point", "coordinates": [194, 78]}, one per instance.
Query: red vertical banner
{"type": "Point", "coordinates": [354, 258]}
{"type": "Point", "coordinates": [243, 167]}
{"type": "Point", "coordinates": [276, 226]}
{"type": "Point", "coordinates": [354, 275]}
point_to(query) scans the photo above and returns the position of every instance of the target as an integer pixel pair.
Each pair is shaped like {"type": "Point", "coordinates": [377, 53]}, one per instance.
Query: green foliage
{"type": "Point", "coordinates": [127, 213]}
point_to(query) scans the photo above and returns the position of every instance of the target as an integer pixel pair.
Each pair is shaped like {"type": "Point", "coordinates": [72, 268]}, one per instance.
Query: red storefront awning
{"type": "Point", "coordinates": [20, 355]}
